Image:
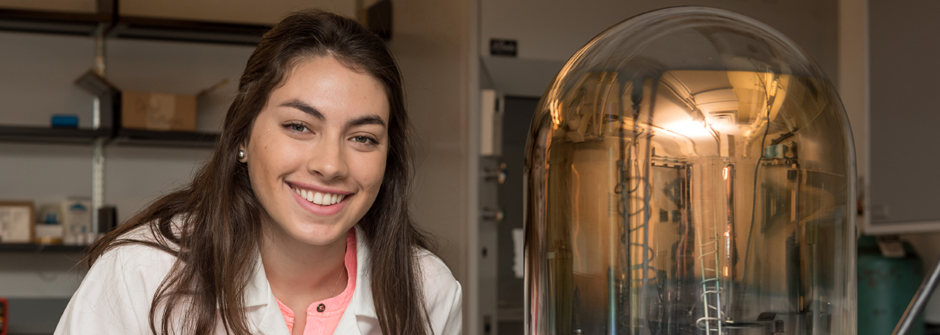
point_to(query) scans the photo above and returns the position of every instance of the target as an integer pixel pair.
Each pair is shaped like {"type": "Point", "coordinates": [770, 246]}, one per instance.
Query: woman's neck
{"type": "Point", "coordinates": [299, 273]}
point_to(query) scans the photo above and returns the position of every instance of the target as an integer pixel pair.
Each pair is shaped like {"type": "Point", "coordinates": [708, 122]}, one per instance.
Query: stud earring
{"type": "Point", "coordinates": [241, 154]}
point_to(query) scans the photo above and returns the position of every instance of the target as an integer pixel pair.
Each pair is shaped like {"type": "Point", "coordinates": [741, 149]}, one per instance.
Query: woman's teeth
{"type": "Point", "coordinates": [322, 199]}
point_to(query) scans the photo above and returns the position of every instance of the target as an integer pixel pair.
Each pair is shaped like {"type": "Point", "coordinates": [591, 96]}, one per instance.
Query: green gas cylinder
{"type": "Point", "coordinates": [886, 286]}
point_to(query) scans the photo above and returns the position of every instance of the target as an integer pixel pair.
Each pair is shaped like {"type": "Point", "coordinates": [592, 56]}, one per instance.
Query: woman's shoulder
{"type": "Point", "coordinates": [439, 282]}
{"type": "Point", "coordinates": [136, 258]}
{"type": "Point", "coordinates": [143, 244]}
{"type": "Point", "coordinates": [433, 266]}
{"type": "Point", "coordinates": [115, 295]}
{"type": "Point", "coordinates": [442, 294]}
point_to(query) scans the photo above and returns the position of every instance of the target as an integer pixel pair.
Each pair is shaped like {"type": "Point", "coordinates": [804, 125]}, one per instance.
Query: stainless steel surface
{"type": "Point", "coordinates": [690, 171]}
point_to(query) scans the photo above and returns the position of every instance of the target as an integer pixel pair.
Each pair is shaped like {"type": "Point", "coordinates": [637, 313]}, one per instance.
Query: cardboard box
{"type": "Point", "coordinates": [158, 111]}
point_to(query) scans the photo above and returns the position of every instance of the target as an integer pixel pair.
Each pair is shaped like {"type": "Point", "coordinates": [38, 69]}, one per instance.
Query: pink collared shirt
{"type": "Point", "coordinates": [325, 322]}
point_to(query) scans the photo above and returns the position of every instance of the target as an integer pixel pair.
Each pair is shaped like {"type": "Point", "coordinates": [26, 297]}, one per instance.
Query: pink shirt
{"type": "Point", "coordinates": [325, 322]}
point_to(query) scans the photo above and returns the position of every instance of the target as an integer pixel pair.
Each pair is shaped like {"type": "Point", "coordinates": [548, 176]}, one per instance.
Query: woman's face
{"type": "Point", "coordinates": [316, 152]}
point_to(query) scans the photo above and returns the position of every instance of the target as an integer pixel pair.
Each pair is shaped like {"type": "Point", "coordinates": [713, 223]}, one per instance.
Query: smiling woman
{"type": "Point", "coordinates": [303, 207]}
{"type": "Point", "coordinates": [310, 143]}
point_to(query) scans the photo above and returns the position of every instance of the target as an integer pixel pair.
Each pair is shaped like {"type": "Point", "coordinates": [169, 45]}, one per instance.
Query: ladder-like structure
{"type": "Point", "coordinates": [711, 286]}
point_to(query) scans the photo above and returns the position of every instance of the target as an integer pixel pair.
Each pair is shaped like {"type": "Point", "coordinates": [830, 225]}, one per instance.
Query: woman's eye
{"type": "Point", "coordinates": [298, 127]}
{"type": "Point", "coordinates": [364, 140]}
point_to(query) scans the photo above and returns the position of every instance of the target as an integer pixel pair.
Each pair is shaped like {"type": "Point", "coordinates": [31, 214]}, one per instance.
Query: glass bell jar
{"type": "Point", "coordinates": [690, 171]}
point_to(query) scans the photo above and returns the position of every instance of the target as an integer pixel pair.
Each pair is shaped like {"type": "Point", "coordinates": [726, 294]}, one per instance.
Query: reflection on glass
{"type": "Point", "coordinates": [690, 171]}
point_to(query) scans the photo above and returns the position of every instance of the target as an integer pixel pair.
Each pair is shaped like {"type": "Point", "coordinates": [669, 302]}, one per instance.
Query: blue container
{"type": "Point", "coordinates": [64, 121]}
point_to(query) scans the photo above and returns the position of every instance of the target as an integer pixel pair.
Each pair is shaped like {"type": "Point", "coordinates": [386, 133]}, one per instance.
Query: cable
{"type": "Point", "coordinates": [750, 233]}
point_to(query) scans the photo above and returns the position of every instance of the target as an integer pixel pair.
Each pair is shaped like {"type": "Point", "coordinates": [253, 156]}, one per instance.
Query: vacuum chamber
{"type": "Point", "coordinates": [690, 171]}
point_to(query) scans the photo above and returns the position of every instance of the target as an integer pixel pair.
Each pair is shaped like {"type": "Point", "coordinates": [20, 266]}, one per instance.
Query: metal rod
{"type": "Point", "coordinates": [916, 307]}
{"type": "Point", "coordinates": [97, 160]}
{"type": "Point", "coordinates": [97, 180]}
{"type": "Point", "coordinates": [100, 49]}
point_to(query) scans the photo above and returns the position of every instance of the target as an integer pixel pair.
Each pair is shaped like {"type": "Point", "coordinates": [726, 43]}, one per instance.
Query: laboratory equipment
{"type": "Point", "coordinates": [886, 286]}
{"type": "Point", "coordinates": [690, 171]}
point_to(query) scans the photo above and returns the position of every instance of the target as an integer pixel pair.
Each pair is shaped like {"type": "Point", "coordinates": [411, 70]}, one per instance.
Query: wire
{"type": "Point", "coordinates": [750, 233]}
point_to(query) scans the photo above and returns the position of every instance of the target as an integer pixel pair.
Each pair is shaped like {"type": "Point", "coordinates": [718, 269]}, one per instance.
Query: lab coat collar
{"type": "Point", "coordinates": [261, 305]}
{"type": "Point", "coordinates": [258, 289]}
{"type": "Point", "coordinates": [258, 295]}
{"type": "Point", "coordinates": [362, 302]}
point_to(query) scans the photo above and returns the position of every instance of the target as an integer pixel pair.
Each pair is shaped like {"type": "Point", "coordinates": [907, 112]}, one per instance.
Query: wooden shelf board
{"type": "Point", "coordinates": [51, 22]}
{"type": "Point", "coordinates": [50, 135]}
{"type": "Point", "coordinates": [47, 248]}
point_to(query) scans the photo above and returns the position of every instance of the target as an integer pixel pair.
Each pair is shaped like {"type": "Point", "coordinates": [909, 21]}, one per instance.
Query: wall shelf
{"type": "Point", "coordinates": [187, 31]}
{"type": "Point", "coordinates": [131, 27]}
{"type": "Point", "coordinates": [125, 27]}
{"type": "Point", "coordinates": [124, 137]}
{"type": "Point", "coordinates": [42, 248]}
{"type": "Point", "coordinates": [51, 135]}
{"type": "Point", "coordinates": [64, 23]}
{"type": "Point", "coordinates": [134, 137]}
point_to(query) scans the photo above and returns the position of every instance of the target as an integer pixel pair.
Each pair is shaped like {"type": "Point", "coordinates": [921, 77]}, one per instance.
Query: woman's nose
{"type": "Point", "coordinates": [327, 160]}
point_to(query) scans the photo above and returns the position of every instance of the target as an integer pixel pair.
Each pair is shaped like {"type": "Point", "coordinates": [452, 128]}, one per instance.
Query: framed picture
{"type": "Point", "coordinates": [16, 221]}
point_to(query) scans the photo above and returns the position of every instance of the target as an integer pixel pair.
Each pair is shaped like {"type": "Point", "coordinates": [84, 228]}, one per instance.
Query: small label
{"type": "Point", "coordinates": [518, 259]}
{"type": "Point", "coordinates": [879, 212]}
{"type": "Point", "coordinates": [500, 47]}
{"type": "Point", "coordinates": [891, 246]}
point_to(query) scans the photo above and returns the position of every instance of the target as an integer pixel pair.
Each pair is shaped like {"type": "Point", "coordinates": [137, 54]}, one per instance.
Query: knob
{"type": "Point", "coordinates": [496, 215]}
{"type": "Point", "coordinates": [499, 174]}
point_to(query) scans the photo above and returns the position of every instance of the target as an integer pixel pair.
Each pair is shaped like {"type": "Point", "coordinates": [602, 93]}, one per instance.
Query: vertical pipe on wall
{"type": "Point", "coordinates": [97, 160]}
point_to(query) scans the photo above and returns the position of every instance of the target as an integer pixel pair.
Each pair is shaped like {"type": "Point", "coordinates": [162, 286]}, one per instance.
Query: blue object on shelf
{"type": "Point", "coordinates": [64, 121]}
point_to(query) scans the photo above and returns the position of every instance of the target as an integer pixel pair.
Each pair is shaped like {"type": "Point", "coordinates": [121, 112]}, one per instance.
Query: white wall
{"type": "Point", "coordinates": [853, 75]}
{"type": "Point", "coordinates": [550, 31]}
{"type": "Point", "coordinates": [431, 41]}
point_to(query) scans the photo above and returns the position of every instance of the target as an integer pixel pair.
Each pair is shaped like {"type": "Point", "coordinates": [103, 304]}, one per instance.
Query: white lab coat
{"type": "Point", "coordinates": [115, 296]}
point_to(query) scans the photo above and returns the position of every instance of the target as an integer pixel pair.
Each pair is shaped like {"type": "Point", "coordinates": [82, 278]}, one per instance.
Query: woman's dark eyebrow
{"type": "Point", "coordinates": [364, 120]}
{"type": "Point", "coordinates": [304, 108]}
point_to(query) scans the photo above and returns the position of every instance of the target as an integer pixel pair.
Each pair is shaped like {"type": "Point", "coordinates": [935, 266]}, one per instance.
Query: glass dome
{"type": "Point", "coordinates": [690, 171]}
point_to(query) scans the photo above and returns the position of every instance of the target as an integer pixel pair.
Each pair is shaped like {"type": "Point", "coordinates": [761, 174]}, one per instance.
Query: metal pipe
{"type": "Point", "coordinates": [97, 161]}
{"type": "Point", "coordinates": [916, 307]}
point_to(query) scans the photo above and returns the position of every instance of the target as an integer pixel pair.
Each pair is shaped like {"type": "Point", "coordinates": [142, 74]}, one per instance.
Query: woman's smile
{"type": "Point", "coordinates": [319, 201]}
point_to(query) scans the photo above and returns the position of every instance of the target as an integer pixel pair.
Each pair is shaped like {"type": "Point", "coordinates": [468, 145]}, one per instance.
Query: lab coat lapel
{"type": "Point", "coordinates": [270, 321]}
{"type": "Point", "coordinates": [261, 305]}
{"type": "Point", "coordinates": [360, 317]}
{"type": "Point", "coordinates": [347, 323]}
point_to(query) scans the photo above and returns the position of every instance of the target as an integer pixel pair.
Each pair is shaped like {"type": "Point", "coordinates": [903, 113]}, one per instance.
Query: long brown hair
{"type": "Point", "coordinates": [217, 230]}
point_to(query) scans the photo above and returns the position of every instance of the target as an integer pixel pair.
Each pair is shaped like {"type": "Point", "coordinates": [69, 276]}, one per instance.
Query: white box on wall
{"type": "Point", "coordinates": [491, 130]}
{"type": "Point", "coordinates": [76, 220]}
